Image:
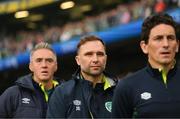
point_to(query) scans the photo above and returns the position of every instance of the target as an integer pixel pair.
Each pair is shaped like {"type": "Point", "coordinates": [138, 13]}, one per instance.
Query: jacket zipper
{"type": "Point", "coordinates": [92, 117]}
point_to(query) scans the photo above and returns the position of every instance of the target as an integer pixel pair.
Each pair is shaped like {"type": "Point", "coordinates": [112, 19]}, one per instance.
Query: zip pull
{"type": "Point", "coordinates": [164, 75]}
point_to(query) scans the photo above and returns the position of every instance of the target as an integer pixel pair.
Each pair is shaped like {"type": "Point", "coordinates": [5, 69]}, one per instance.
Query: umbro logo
{"type": "Point", "coordinates": [77, 104]}
{"type": "Point", "coordinates": [26, 100]}
{"type": "Point", "coordinates": [146, 96]}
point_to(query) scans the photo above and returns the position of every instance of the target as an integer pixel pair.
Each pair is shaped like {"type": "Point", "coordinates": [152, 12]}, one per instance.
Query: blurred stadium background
{"type": "Point", "coordinates": [62, 22]}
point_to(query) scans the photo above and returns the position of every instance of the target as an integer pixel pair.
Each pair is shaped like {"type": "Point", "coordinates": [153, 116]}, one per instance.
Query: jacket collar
{"type": "Point", "coordinates": [158, 73]}
{"type": "Point", "coordinates": [26, 82]}
{"type": "Point", "coordinates": [109, 80]}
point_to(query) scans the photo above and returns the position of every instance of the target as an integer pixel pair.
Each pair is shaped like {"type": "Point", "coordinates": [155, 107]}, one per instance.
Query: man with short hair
{"type": "Point", "coordinates": [89, 93]}
{"type": "Point", "coordinates": [152, 92]}
{"type": "Point", "coordinates": [29, 96]}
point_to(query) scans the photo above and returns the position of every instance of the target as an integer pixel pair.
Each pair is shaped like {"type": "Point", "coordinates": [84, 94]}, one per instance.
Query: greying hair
{"type": "Point", "coordinates": [42, 45]}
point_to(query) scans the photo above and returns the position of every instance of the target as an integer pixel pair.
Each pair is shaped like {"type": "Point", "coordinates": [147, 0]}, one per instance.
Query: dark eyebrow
{"type": "Point", "coordinates": [91, 52]}
{"type": "Point", "coordinates": [172, 36]}
{"type": "Point", "coordinates": [49, 59]}
{"type": "Point", "coordinates": [158, 36]}
{"type": "Point", "coordinates": [88, 53]}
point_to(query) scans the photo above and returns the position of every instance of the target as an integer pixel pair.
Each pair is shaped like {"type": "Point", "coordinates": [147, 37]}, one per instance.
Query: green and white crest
{"type": "Point", "coordinates": [108, 106]}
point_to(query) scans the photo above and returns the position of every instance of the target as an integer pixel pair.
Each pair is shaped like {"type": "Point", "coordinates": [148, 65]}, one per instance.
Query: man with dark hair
{"type": "Point", "coordinates": [152, 92]}
{"type": "Point", "coordinates": [29, 97]}
{"type": "Point", "coordinates": [89, 93]}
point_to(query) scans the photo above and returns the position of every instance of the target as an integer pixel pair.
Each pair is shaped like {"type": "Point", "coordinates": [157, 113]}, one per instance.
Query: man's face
{"type": "Point", "coordinates": [162, 45]}
{"type": "Point", "coordinates": [92, 58]}
{"type": "Point", "coordinates": [43, 64]}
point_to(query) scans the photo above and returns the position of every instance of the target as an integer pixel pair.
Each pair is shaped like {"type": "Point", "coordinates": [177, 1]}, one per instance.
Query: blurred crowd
{"type": "Point", "coordinates": [122, 14]}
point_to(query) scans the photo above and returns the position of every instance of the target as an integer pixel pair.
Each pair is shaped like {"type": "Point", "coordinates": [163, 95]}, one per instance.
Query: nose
{"type": "Point", "coordinates": [165, 42]}
{"type": "Point", "coordinates": [95, 58]}
{"type": "Point", "coordinates": [44, 64]}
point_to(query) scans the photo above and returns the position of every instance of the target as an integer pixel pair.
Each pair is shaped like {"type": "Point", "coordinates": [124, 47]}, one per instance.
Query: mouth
{"type": "Point", "coordinates": [165, 53]}
{"type": "Point", "coordinates": [44, 72]}
{"type": "Point", "coordinates": [95, 67]}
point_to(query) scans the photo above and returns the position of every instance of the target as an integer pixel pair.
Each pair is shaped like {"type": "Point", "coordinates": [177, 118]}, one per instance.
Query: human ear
{"type": "Point", "coordinates": [31, 67]}
{"type": "Point", "coordinates": [144, 47]}
{"type": "Point", "coordinates": [177, 48]}
{"type": "Point", "coordinates": [77, 59]}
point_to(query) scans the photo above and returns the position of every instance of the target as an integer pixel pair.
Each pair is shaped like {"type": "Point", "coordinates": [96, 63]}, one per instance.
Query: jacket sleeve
{"type": "Point", "coordinates": [57, 104]}
{"type": "Point", "coordinates": [122, 101]}
{"type": "Point", "coordinates": [7, 106]}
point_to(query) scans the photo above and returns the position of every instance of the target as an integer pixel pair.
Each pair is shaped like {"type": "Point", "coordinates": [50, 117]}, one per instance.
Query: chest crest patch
{"type": "Point", "coordinates": [108, 106]}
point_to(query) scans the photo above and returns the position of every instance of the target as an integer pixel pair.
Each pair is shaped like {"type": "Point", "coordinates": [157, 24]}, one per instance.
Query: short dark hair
{"type": "Point", "coordinates": [154, 20]}
{"type": "Point", "coordinates": [88, 38]}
